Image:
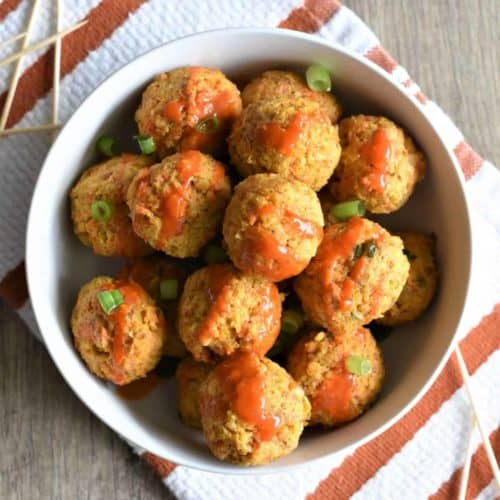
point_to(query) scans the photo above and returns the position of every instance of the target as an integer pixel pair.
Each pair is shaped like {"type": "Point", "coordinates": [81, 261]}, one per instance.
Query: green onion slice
{"type": "Point", "coordinates": [214, 254]}
{"type": "Point", "coordinates": [107, 146]}
{"type": "Point", "coordinates": [358, 365]}
{"type": "Point", "coordinates": [348, 209]}
{"type": "Point", "coordinates": [358, 251]}
{"type": "Point", "coordinates": [110, 300]}
{"type": "Point", "coordinates": [101, 211]}
{"type": "Point", "coordinates": [370, 248]}
{"type": "Point", "coordinates": [169, 289]}
{"type": "Point", "coordinates": [318, 78]}
{"type": "Point", "coordinates": [208, 125]}
{"type": "Point", "coordinates": [146, 144]}
{"type": "Point", "coordinates": [291, 321]}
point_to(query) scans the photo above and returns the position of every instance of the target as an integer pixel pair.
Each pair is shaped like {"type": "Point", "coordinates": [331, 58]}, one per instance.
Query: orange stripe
{"type": "Point", "coordinates": [468, 159]}
{"type": "Point", "coordinates": [312, 16]}
{"type": "Point", "coordinates": [367, 460]}
{"type": "Point", "coordinates": [480, 473]}
{"type": "Point", "coordinates": [381, 57]}
{"type": "Point", "coordinates": [7, 6]}
{"type": "Point", "coordinates": [37, 79]}
{"type": "Point", "coordinates": [13, 288]}
{"type": "Point", "coordinates": [161, 466]}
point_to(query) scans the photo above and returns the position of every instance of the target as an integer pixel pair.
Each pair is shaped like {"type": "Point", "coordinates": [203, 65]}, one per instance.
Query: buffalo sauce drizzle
{"type": "Point", "coordinates": [334, 395]}
{"type": "Point", "coordinates": [334, 251]}
{"type": "Point", "coordinates": [376, 152]}
{"type": "Point", "coordinates": [242, 385]}
{"type": "Point", "coordinates": [173, 111]}
{"type": "Point", "coordinates": [132, 295]}
{"type": "Point", "coordinates": [217, 291]}
{"type": "Point", "coordinates": [174, 204]}
{"type": "Point", "coordinates": [276, 261]}
{"type": "Point", "coordinates": [198, 105]}
{"type": "Point", "coordinates": [273, 135]}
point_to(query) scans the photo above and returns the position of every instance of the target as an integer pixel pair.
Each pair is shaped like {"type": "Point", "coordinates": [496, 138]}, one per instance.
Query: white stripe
{"type": "Point", "coordinates": [440, 444]}
{"type": "Point", "coordinates": [350, 31]}
{"type": "Point", "coordinates": [449, 132]}
{"type": "Point", "coordinates": [489, 492]}
{"type": "Point", "coordinates": [284, 486]}
{"type": "Point", "coordinates": [43, 27]}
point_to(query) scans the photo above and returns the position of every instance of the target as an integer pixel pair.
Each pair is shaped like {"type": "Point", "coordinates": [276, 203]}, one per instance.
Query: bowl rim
{"type": "Point", "coordinates": [270, 468]}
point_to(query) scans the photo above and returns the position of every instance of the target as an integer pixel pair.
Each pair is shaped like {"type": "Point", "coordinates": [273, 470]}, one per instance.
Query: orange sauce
{"type": "Point", "coordinates": [376, 152]}
{"type": "Point", "coordinates": [332, 252]}
{"type": "Point", "coordinates": [132, 294]}
{"type": "Point", "coordinates": [174, 204]}
{"type": "Point", "coordinates": [139, 389]}
{"type": "Point", "coordinates": [345, 299]}
{"type": "Point", "coordinates": [217, 294]}
{"type": "Point", "coordinates": [173, 111]}
{"type": "Point", "coordinates": [202, 104]}
{"type": "Point", "coordinates": [242, 385]}
{"type": "Point", "coordinates": [276, 261]}
{"type": "Point", "coordinates": [334, 395]}
{"type": "Point", "coordinates": [273, 135]}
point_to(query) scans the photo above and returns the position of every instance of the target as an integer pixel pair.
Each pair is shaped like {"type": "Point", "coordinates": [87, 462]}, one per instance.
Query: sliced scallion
{"type": "Point", "coordinates": [318, 78]}
{"type": "Point", "coordinates": [101, 211]}
{"type": "Point", "coordinates": [214, 254]}
{"type": "Point", "coordinates": [208, 125]}
{"type": "Point", "coordinates": [169, 289]}
{"type": "Point", "coordinates": [348, 209]}
{"type": "Point", "coordinates": [291, 321]}
{"type": "Point", "coordinates": [110, 300]}
{"type": "Point", "coordinates": [370, 248]}
{"type": "Point", "coordinates": [358, 365]}
{"type": "Point", "coordinates": [358, 251]}
{"type": "Point", "coordinates": [146, 144]}
{"type": "Point", "coordinates": [107, 146]}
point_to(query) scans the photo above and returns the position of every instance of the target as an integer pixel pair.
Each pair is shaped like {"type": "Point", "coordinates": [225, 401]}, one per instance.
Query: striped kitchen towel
{"type": "Point", "coordinates": [423, 453]}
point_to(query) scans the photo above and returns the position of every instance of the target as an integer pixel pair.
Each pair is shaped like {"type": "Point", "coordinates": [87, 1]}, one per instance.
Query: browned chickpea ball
{"type": "Point", "coordinates": [122, 344]}
{"type": "Point", "coordinates": [379, 165]}
{"type": "Point", "coordinates": [177, 204]}
{"type": "Point", "coordinates": [292, 137]}
{"type": "Point", "coordinates": [223, 311]}
{"type": "Point", "coordinates": [272, 226]}
{"type": "Point", "coordinates": [189, 375]}
{"type": "Point", "coordinates": [356, 276]}
{"type": "Point", "coordinates": [107, 183]}
{"type": "Point", "coordinates": [252, 411]}
{"type": "Point", "coordinates": [189, 108]}
{"type": "Point", "coordinates": [341, 374]}
{"type": "Point", "coordinates": [274, 83]}
{"type": "Point", "coordinates": [420, 287]}
{"type": "Point", "coordinates": [153, 273]}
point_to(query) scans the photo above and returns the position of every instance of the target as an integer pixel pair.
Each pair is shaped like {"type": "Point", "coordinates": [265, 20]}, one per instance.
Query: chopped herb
{"type": "Point", "coordinates": [370, 248]}
{"type": "Point", "coordinates": [358, 365]}
{"type": "Point", "coordinates": [110, 300]}
{"type": "Point", "coordinates": [146, 144]}
{"type": "Point", "coordinates": [169, 289]}
{"type": "Point", "coordinates": [358, 251]}
{"type": "Point", "coordinates": [101, 211]}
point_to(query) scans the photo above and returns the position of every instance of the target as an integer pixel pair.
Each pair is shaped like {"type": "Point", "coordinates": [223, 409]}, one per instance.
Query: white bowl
{"type": "Point", "coordinates": [58, 264]}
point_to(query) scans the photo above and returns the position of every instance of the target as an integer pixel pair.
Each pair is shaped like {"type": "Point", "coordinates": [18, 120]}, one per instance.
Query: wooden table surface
{"type": "Point", "coordinates": [52, 447]}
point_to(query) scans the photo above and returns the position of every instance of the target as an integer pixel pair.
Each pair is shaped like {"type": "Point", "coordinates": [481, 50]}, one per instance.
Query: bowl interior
{"type": "Point", "coordinates": [58, 264]}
